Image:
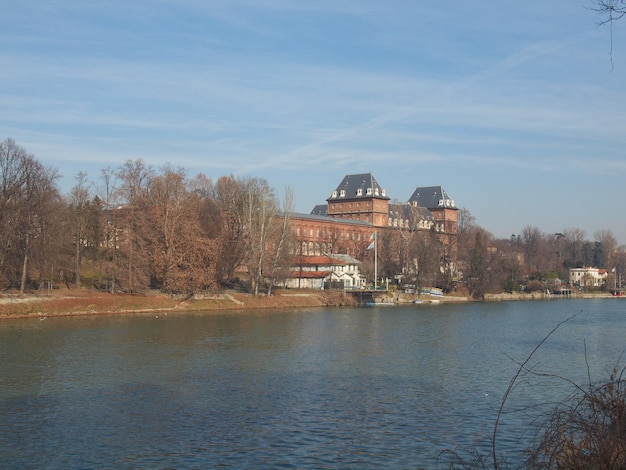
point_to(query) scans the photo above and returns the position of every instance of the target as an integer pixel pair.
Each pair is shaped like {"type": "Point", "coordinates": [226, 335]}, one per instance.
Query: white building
{"type": "Point", "coordinates": [587, 277]}
{"type": "Point", "coordinates": [316, 272]}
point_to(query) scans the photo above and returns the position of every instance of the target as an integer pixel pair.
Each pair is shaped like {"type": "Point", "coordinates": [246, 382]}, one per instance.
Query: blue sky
{"type": "Point", "coordinates": [513, 107]}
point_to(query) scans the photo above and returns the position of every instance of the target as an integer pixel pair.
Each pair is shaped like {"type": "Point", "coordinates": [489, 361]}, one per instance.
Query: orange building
{"type": "Point", "coordinates": [359, 206]}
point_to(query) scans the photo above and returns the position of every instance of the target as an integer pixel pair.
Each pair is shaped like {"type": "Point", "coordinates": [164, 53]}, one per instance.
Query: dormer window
{"type": "Point", "coordinates": [359, 192]}
{"type": "Point", "coordinates": [334, 193]}
{"type": "Point", "coordinates": [342, 193]}
{"type": "Point", "coordinates": [369, 191]}
{"type": "Point", "coordinates": [383, 193]}
{"type": "Point", "coordinates": [376, 191]}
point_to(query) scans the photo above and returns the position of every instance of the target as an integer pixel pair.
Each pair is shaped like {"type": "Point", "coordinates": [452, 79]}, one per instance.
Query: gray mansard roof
{"type": "Point", "coordinates": [432, 197]}
{"type": "Point", "coordinates": [410, 212]}
{"type": "Point", "coordinates": [320, 209]}
{"type": "Point", "coordinates": [359, 186]}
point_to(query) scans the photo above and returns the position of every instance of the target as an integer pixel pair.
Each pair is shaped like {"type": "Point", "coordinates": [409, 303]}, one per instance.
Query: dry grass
{"type": "Point", "coordinates": [86, 302]}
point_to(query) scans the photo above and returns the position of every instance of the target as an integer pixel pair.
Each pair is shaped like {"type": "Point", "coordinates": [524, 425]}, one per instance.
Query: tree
{"type": "Point", "coordinates": [608, 243]}
{"type": "Point", "coordinates": [181, 253]}
{"type": "Point", "coordinates": [134, 178]}
{"type": "Point", "coordinates": [282, 244]}
{"type": "Point", "coordinates": [426, 250]}
{"type": "Point", "coordinates": [574, 241]}
{"type": "Point", "coordinates": [108, 193]}
{"type": "Point", "coordinates": [477, 274]}
{"type": "Point", "coordinates": [260, 221]}
{"type": "Point", "coordinates": [611, 11]}
{"type": "Point", "coordinates": [231, 222]}
{"type": "Point", "coordinates": [79, 209]}
{"type": "Point", "coordinates": [27, 192]}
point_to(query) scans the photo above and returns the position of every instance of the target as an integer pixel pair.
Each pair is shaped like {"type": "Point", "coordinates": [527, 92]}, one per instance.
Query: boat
{"type": "Point", "coordinates": [418, 301]}
{"type": "Point", "coordinates": [379, 304]}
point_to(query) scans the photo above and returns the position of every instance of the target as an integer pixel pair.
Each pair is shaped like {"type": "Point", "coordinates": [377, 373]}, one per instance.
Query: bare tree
{"type": "Point", "coordinates": [281, 244]}
{"type": "Point", "coordinates": [181, 254]}
{"type": "Point", "coordinates": [231, 202]}
{"type": "Point", "coordinates": [27, 191]}
{"type": "Point", "coordinates": [610, 11]}
{"type": "Point", "coordinates": [13, 160]}
{"type": "Point", "coordinates": [79, 207]}
{"type": "Point", "coordinates": [108, 194]}
{"type": "Point", "coordinates": [134, 178]}
{"type": "Point", "coordinates": [260, 216]}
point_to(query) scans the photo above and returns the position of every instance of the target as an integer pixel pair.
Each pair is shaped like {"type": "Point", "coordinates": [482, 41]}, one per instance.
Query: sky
{"type": "Point", "coordinates": [517, 109]}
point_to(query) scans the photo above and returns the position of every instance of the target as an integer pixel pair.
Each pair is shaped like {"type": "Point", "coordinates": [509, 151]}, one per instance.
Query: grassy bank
{"type": "Point", "coordinates": [85, 302]}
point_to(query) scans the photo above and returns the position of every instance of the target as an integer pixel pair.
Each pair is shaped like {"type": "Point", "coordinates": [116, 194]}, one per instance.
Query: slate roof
{"type": "Point", "coordinates": [334, 220]}
{"type": "Point", "coordinates": [320, 209]}
{"type": "Point", "coordinates": [410, 212]}
{"type": "Point", "coordinates": [431, 197]}
{"type": "Point", "coordinates": [356, 187]}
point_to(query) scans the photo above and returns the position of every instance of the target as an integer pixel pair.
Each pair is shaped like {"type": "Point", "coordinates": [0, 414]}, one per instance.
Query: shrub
{"type": "Point", "coordinates": [586, 431]}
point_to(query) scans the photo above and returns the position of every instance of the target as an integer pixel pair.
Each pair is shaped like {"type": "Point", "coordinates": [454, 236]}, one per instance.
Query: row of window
{"type": "Point", "coordinates": [422, 224]}
{"type": "Point", "coordinates": [321, 249]}
{"type": "Point", "coordinates": [359, 192]}
{"type": "Point", "coordinates": [341, 235]}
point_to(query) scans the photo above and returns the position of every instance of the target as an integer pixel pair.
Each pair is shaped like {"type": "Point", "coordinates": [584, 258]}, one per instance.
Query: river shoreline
{"type": "Point", "coordinates": [82, 302]}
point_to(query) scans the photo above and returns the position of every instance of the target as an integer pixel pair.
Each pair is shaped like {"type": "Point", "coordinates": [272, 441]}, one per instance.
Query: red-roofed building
{"type": "Point", "coordinates": [320, 272]}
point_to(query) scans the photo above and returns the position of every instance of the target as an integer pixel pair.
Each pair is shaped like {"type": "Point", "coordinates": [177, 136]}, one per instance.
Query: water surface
{"type": "Point", "coordinates": [325, 388]}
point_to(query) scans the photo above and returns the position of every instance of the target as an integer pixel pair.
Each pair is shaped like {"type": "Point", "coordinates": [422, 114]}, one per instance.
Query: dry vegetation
{"type": "Point", "coordinates": [84, 302]}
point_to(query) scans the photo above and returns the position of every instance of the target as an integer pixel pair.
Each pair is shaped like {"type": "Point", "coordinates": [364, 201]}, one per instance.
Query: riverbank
{"type": "Point", "coordinates": [505, 296]}
{"type": "Point", "coordinates": [66, 302]}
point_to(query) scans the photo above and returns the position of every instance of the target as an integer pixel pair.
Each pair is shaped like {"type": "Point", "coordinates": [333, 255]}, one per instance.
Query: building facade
{"type": "Point", "coordinates": [324, 272]}
{"type": "Point", "coordinates": [360, 206]}
{"type": "Point", "coordinates": [587, 277]}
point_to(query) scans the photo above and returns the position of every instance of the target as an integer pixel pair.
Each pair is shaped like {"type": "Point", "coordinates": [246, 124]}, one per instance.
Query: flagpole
{"type": "Point", "coordinates": [375, 260]}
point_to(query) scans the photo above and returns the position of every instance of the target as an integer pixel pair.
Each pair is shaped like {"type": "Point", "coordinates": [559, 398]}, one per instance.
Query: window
{"type": "Point", "coordinates": [343, 193]}
{"type": "Point", "coordinates": [334, 194]}
{"type": "Point", "coordinates": [369, 191]}
{"type": "Point", "coordinates": [359, 192]}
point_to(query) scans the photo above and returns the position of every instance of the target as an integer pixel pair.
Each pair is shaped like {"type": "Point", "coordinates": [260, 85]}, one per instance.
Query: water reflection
{"type": "Point", "coordinates": [350, 388]}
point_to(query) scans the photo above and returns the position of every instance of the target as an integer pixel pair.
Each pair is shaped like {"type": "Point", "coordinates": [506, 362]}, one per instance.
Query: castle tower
{"type": "Point", "coordinates": [360, 197]}
{"type": "Point", "coordinates": [437, 201]}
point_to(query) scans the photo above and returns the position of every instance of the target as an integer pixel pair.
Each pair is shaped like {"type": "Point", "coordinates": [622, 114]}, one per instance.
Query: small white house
{"type": "Point", "coordinates": [316, 272]}
{"type": "Point", "coordinates": [587, 277]}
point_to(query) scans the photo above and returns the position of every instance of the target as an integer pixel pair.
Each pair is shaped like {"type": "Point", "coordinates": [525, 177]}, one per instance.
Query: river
{"type": "Point", "coordinates": [358, 388]}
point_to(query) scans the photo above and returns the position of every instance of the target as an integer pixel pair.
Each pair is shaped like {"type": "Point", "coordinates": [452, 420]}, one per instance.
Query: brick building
{"type": "Point", "coordinates": [360, 206]}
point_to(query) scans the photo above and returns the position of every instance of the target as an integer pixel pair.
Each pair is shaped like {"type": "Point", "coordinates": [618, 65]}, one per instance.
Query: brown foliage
{"type": "Point", "coordinates": [586, 431]}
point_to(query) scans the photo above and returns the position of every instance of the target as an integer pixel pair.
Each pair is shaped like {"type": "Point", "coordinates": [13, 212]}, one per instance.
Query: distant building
{"type": "Point", "coordinates": [360, 206]}
{"type": "Point", "coordinates": [323, 272]}
{"type": "Point", "coordinates": [587, 277]}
